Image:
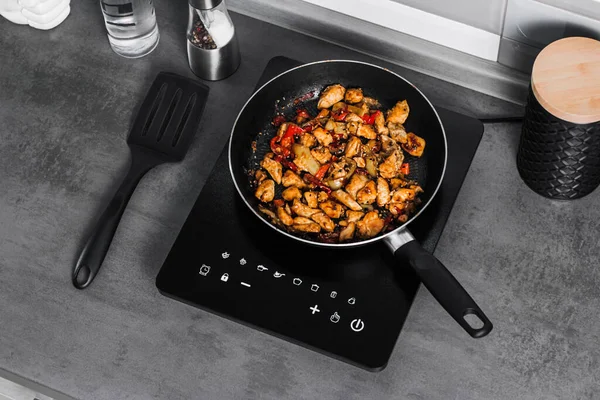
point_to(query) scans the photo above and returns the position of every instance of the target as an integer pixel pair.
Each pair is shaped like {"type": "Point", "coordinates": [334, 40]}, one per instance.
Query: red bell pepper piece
{"type": "Point", "coordinates": [321, 172]}
{"type": "Point", "coordinates": [278, 120]}
{"type": "Point", "coordinates": [293, 130]}
{"type": "Point", "coordinates": [286, 142]}
{"type": "Point", "coordinates": [278, 149]}
{"type": "Point", "coordinates": [369, 119]}
{"type": "Point", "coordinates": [275, 142]}
{"type": "Point", "coordinates": [278, 202]}
{"type": "Point", "coordinates": [288, 137]}
{"type": "Point", "coordinates": [283, 145]}
{"type": "Point", "coordinates": [340, 116]}
{"type": "Point", "coordinates": [405, 168]}
{"type": "Point", "coordinates": [308, 127]}
{"type": "Point", "coordinates": [275, 146]}
{"type": "Point", "coordinates": [302, 113]}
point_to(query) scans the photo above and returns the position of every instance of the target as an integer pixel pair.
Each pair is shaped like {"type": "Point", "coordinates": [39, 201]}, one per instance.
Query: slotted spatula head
{"type": "Point", "coordinates": [169, 116]}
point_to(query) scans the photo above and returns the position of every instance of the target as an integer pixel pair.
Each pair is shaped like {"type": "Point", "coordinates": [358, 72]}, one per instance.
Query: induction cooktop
{"type": "Point", "coordinates": [346, 303]}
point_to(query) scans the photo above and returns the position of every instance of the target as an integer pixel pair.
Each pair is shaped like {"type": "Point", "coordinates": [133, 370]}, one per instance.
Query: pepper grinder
{"type": "Point", "coordinates": [212, 46]}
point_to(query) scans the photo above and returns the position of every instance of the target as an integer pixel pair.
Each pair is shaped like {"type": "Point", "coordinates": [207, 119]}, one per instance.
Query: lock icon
{"type": "Point", "coordinates": [225, 277]}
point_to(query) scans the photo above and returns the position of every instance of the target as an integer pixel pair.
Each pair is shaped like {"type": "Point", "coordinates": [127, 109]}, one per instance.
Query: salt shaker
{"type": "Point", "coordinates": [559, 152]}
{"type": "Point", "coordinates": [212, 46]}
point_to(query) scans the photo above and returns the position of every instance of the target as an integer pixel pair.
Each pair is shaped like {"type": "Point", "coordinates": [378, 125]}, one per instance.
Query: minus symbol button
{"type": "Point", "coordinates": [245, 284]}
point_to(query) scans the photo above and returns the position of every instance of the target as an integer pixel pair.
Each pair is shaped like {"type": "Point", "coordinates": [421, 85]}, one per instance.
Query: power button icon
{"type": "Point", "coordinates": [357, 325]}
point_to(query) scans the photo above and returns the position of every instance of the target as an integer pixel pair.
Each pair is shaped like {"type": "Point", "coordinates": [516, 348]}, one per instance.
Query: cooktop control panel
{"type": "Point", "coordinates": [340, 301]}
{"type": "Point", "coordinates": [240, 272]}
{"type": "Point", "coordinates": [318, 301]}
{"type": "Point", "coordinates": [346, 303]}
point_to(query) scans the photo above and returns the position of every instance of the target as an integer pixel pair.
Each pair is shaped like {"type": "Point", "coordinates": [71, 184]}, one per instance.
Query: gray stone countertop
{"type": "Point", "coordinates": [66, 104]}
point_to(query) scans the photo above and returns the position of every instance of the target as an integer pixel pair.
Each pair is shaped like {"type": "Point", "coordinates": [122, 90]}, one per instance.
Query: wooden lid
{"type": "Point", "coordinates": [566, 79]}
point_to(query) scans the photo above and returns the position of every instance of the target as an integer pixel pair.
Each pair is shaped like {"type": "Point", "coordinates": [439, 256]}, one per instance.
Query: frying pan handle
{"type": "Point", "coordinates": [93, 253]}
{"type": "Point", "coordinates": [444, 287]}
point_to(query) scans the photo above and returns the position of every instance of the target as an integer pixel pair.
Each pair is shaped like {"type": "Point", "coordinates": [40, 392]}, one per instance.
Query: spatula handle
{"type": "Point", "coordinates": [96, 247]}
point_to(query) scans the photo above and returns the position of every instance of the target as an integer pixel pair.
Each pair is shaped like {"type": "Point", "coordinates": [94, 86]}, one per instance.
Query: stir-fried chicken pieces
{"type": "Point", "coordinates": [354, 95]}
{"type": "Point", "coordinates": [357, 182]}
{"type": "Point", "coordinates": [392, 165]}
{"type": "Point", "coordinates": [324, 221]}
{"type": "Point", "coordinates": [368, 194]}
{"type": "Point", "coordinates": [273, 168]}
{"type": "Point", "coordinates": [291, 193]}
{"type": "Point", "coordinates": [284, 216]}
{"type": "Point", "coordinates": [354, 216]}
{"type": "Point", "coordinates": [366, 131]}
{"type": "Point", "coordinates": [347, 233]}
{"type": "Point", "coordinates": [399, 113]}
{"type": "Point", "coordinates": [370, 225]}
{"type": "Point", "coordinates": [322, 154]}
{"type": "Point", "coordinates": [346, 200]}
{"type": "Point", "coordinates": [353, 147]}
{"type": "Point", "coordinates": [331, 95]}
{"type": "Point", "coordinates": [291, 179]}
{"type": "Point", "coordinates": [266, 191]}
{"type": "Point", "coordinates": [380, 124]}
{"type": "Point", "coordinates": [311, 199]}
{"type": "Point", "coordinates": [383, 192]}
{"type": "Point", "coordinates": [303, 224]}
{"type": "Point", "coordinates": [414, 145]}
{"type": "Point", "coordinates": [308, 140]}
{"type": "Point", "coordinates": [340, 176]}
{"type": "Point", "coordinates": [332, 209]}
{"type": "Point", "coordinates": [323, 136]}
{"type": "Point", "coordinates": [302, 210]}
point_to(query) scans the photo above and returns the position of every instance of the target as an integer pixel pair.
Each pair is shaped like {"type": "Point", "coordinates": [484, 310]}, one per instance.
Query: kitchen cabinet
{"type": "Point", "coordinates": [487, 15]}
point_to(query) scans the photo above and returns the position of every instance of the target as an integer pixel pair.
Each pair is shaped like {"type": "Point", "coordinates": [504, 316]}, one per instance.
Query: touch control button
{"type": "Point", "coordinates": [204, 269]}
{"type": "Point", "coordinates": [357, 325]}
{"type": "Point", "coordinates": [335, 318]}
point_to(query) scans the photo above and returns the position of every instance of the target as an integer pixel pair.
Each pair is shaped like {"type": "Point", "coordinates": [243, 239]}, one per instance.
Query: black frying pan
{"type": "Point", "coordinates": [291, 90]}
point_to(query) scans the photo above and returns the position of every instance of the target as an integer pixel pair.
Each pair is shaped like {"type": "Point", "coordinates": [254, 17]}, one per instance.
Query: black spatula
{"type": "Point", "coordinates": [162, 132]}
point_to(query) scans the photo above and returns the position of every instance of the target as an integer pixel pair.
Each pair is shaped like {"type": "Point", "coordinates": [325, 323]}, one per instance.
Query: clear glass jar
{"type": "Point", "coordinates": [131, 26]}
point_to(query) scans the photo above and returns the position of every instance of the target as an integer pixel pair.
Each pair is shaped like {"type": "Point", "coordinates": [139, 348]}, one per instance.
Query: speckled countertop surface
{"type": "Point", "coordinates": [66, 104]}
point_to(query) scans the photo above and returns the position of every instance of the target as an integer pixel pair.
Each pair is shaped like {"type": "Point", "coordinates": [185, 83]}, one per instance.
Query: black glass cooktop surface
{"type": "Point", "coordinates": [348, 303]}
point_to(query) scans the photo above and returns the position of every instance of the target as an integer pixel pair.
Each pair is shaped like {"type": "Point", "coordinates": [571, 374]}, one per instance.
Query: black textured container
{"type": "Point", "coordinates": [558, 159]}
{"type": "Point", "coordinates": [559, 152]}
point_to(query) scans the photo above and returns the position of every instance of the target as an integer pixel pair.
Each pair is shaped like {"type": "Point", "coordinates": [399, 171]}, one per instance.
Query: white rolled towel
{"type": "Point", "coordinates": [39, 14]}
